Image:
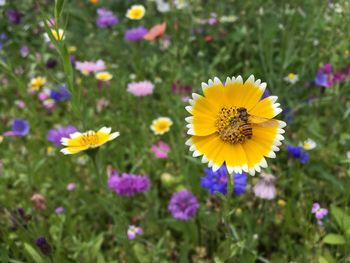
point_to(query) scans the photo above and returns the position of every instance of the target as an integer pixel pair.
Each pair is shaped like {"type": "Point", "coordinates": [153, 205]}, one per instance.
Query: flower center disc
{"type": "Point", "coordinates": [232, 125]}
{"type": "Point", "coordinates": [90, 138]}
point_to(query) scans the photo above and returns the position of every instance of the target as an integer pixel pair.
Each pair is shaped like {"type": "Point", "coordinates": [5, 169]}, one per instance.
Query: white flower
{"type": "Point", "coordinates": [162, 6]}
{"type": "Point", "coordinates": [348, 154]}
{"type": "Point", "coordinates": [309, 144]}
{"type": "Point", "coordinates": [291, 78]}
{"type": "Point", "coordinates": [2, 2]}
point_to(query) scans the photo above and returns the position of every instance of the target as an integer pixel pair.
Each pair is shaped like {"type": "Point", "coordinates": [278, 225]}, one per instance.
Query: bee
{"type": "Point", "coordinates": [244, 123]}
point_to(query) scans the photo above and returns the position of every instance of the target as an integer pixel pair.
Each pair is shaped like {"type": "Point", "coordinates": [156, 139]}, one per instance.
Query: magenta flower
{"type": "Point", "coordinates": [141, 89]}
{"type": "Point", "coordinates": [133, 231]}
{"type": "Point", "coordinates": [183, 205]}
{"type": "Point", "coordinates": [265, 188]}
{"type": "Point", "coordinates": [128, 184]}
{"type": "Point", "coordinates": [319, 212]}
{"type": "Point", "coordinates": [87, 67]}
{"type": "Point", "coordinates": [160, 150]}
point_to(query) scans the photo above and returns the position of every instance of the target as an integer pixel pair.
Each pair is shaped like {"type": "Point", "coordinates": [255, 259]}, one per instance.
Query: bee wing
{"type": "Point", "coordinates": [230, 128]}
{"type": "Point", "coordinates": [261, 121]}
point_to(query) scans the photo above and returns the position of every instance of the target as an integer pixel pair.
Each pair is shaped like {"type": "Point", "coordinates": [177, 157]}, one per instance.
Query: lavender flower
{"type": "Point", "coordinates": [298, 152]}
{"type": "Point", "coordinates": [135, 34]}
{"type": "Point", "coordinates": [183, 205]}
{"type": "Point", "coordinates": [59, 210]}
{"type": "Point", "coordinates": [217, 181]}
{"type": "Point", "coordinates": [319, 212]}
{"type": "Point", "coordinates": [128, 184]}
{"type": "Point", "coordinates": [133, 231]}
{"type": "Point", "coordinates": [14, 16]}
{"type": "Point", "coordinates": [20, 127]}
{"type": "Point", "coordinates": [106, 18]}
{"type": "Point", "coordinates": [265, 188]}
{"type": "Point", "coordinates": [43, 245]}
{"type": "Point", "coordinates": [24, 51]}
{"type": "Point", "coordinates": [55, 135]}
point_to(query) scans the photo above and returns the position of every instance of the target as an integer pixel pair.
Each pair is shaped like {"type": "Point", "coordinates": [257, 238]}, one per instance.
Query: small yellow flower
{"type": "Point", "coordinates": [58, 35]}
{"type": "Point", "coordinates": [136, 12]}
{"type": "Point", "coordinates": [281, 202]}
{"type": "Point", "coordinates": [161, 125]}
{"type": "Point", "coordinates": [88, 140]}
{"type": "Point", "coordinates": [50, 151]}
{"type": "Point", "coordinates": [37, 83]}
{"type": "Point", "coordinates": [104, 76]}
{"type": "Point", "coordinates": [309, 144]}
{"type": "Point", "coordinates": [94, 2]}
{"type": "Point", "coordinates": [1, 139]}
{"type": "Point", "coordinates": [72, 49]}
{"type": "Point", "coordinates": [238, 211]}
{"type": "Point", "coordinates": [291, 78]}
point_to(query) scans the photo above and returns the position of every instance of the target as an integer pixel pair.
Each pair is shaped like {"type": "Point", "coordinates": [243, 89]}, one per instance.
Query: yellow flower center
{"type": "Point", "coordinates": [89, 138]}
{"type": "Point", "coordinates": [291, 76]}
{"type": "Point", "coordinates": [232, 125]}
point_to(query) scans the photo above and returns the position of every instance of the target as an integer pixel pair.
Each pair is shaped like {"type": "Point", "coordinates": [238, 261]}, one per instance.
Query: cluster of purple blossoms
{"type": "Point", "coordinates": [319, 212]}
{"type": "Point", "coordinates": [183, 205]}
{"type": "Point", "coordinates": [298, 152]}
{"type": "Point", "coordinates": [128, 184]}
{"type": "Point", "coordinates": [217, 181]}
{"type": "Point", "coordinates": [20, 127]}
{"type": "Point", "coordinates": [106, 18]}
{"type": "Point", "coordinates": [326, 78]}
{"type": "Point", "coordinates": [135, 34]}
{"type": "Point", "coordinates": [55, 135]}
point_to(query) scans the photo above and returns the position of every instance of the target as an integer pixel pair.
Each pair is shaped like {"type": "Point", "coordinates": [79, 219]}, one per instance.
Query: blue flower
{"type": "Point", "coordinates": [62, 94]}
{"type": "Point", "coordinates": [217, 181]}
{"type": "Point", "coordinates": [298, 152]}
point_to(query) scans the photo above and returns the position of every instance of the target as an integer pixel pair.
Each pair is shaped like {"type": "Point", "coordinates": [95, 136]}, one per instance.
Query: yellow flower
{"type": "Point", "coordinates": [1, 138]}
{"type": "Point", "coordinates": [281, 202]}
{"type": "Point", "coordinates": [136, 12]}
{"type": "Point", "coordinates": [37, 83]}
{"type": "Point", "coordinates": [50, 151]}
{"type": "Point", "coordinates": [161, 125]}
{"type": "Point", "coordinates": [94, 2]}
{"type": "Point", "coordinates": [72, 49]}
{"type": "Point", "coordinates": [58, 35]}
{"type": "Point", "coordinates": [231, 124]}
{"type": "Point", "coordinates": [104, 76]}
{"type": "Point", "coordinates": [88, 140]}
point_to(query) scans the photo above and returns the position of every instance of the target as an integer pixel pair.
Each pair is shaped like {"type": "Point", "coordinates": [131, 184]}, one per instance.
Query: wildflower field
{"type": "Point", "coordinates": [174, 131]}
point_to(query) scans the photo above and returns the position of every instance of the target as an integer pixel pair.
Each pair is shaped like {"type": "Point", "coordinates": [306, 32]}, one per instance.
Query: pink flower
{"type": "Point", "coordinates": [140, 89]}
{"type": "Point", "coordinates": [87, 67]}
{"type": "Point", "coordinates": [265, 188]}
{"type": "Point", "coordinates": [133, 231]}
{"type": "Point", "coordinates": [160, 150]}
{"type": "Point", "coordinates": [319, 212]}
{"type": "Point", "coordinates": [71, 186]}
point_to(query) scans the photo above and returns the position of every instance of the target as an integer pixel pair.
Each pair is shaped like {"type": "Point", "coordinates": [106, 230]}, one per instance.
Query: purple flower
{"type": "Point", "coordinates": [319, 212]}
{"type": "Point", "coordinates": [43, 245]}
{"type": "Point", "coordinates": [62, 94]}
{"type": "Point", "coordinates": [55, 135]}
{"type": "Point", "coordinates": [106, 18]}
{"type": "Point", "coordinates": [265, 188]}
{"type": "Point", "coordinates": [135, 34]}
{"type": "Point", "coordinates": [183, 205]}
{"type": "Point", "coordinates": [217, 181]}
{"type": "Point", "coordinates": [128, 184]}
{"type": "Point", "coordinates": [14, 16]}
{"type": "Point", "coordinates": [20, 127]}
{"type": "Point", "coordinates": [24, 51]}
{"type": "Point", "coordinates": [59, 210]}
{"type": "Point", "coordinates": [321, 79]}
{"type": "Point", "coordinates": [298, 152]}
{"type": "Point", "coordinates": [51, 63]}
{"type": "Point", "coordinates": [71, 186]}
{"type": "Point", "coordinates": [327, 68]}
{"type": "Point", "coordinates": [133, 231]}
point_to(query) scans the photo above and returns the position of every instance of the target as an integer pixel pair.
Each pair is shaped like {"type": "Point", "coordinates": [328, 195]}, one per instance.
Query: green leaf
{"type": "Point", "coordinates": [342, 218]}
{"type": "Point", "coordinates": [334, 239]}
{"type": "Point", "coordinates": [58, 8]}
{"type": "Point", "coordinates": [33, 253]}
{"type": "Point", "coordinates": [141, 253]}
